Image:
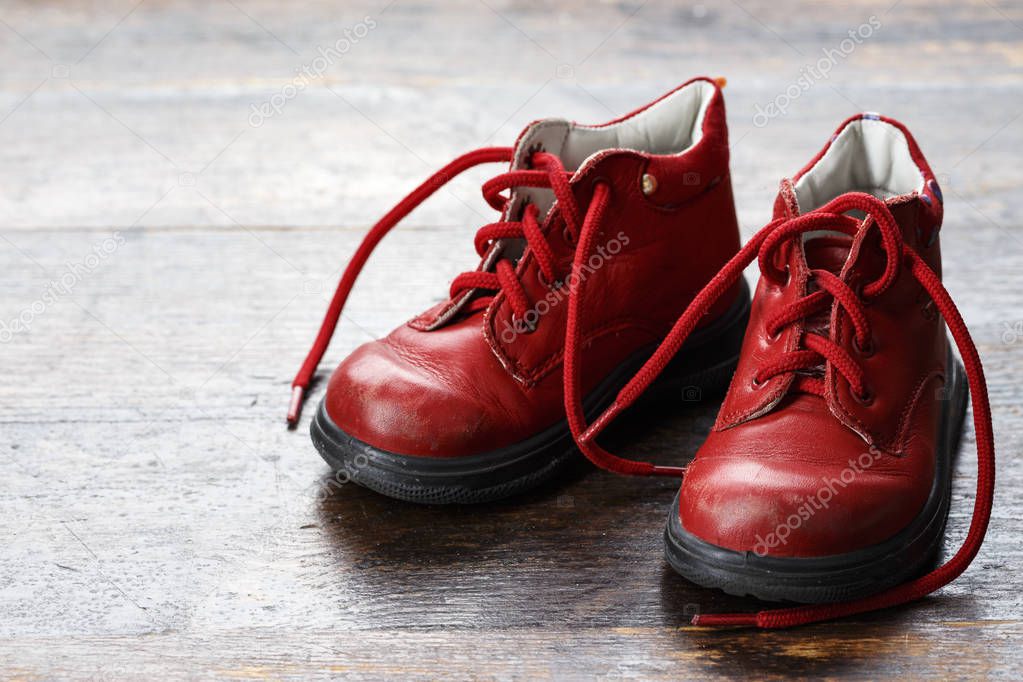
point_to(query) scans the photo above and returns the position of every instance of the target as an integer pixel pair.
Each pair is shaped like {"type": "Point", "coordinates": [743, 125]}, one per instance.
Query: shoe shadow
{"type": "Point", "coordinates": [857, 645]}
{"type": "Point", "coordinates": [379, 531]}
{"type": "Point", "coordinates": [583, 549]}
{"type": "Point", "coordinates": [382, 531]}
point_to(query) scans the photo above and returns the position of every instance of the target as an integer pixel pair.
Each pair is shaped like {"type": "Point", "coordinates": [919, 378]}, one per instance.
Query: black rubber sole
{"type": "Point", "coordinates": [703, 367]}
{"type": "Point", "coordinates": [838, 577]}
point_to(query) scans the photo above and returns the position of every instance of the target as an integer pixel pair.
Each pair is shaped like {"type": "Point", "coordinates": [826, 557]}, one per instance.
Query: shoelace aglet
{"type": "Point", "coordinates": [295, 407]}
{"type": "Point", "coordinates": [724, 619]}
{"type": "Point", "coordinates": [674, 472]}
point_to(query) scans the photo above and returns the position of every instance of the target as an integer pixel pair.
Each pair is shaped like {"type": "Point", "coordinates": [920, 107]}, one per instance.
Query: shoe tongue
{"type": "Point", "coordinates": [547, 135]}
{"type": "Point", "coordinates": [821, 250]}
{"type": "Point", "coordinates": [825, 251]}
{"type": "Point", "coordinates": [786, 205]}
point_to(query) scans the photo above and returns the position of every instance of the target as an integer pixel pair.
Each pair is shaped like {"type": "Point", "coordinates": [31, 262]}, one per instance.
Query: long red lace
{"type": "Point", "coordinates": [547, 171]}
{"type": "Point", "coordinates": [819, 349]}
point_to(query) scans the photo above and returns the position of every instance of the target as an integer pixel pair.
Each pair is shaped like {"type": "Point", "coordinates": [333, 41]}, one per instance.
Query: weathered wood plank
{"type": "Point", "coordinates": [532, 653]}
{"type": "Point", "coordinates": [156, 515]}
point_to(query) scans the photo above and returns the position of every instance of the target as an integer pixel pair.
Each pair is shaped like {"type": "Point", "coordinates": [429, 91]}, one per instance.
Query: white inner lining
{"type": "Point", "coordinates": [670, 126]}
{"type": "Point", "coordinates": [869, 155]}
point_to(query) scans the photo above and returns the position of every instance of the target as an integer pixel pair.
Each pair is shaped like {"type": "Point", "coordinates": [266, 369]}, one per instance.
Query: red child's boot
{"type": "Point", "coordinates": [464, 403]}
{"type": "Point", "coordinates": [826, 479]}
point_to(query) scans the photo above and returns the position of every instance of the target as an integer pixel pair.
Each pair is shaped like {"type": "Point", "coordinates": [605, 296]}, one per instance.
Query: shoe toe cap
{"type": "Point", "coordinates": [783, 505]}
{"type": "Point", "coordinates": [406, 401]}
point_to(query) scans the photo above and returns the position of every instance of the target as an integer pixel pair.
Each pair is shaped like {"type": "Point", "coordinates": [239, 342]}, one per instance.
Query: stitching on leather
{"type": "Point", "coordinates": [899, 436]}
{"type": "Point", "coordinates": [739, 416]}
{"type": "Point", "coordinates": [704, 193]}
{"type": "Point", "coordinates": [901, 432]}
{"type": "Point", "coordinates": [489, 333]}
{"type": "Point", "coordinates": [532, 377]}
{"type": "Point", "coordinates": [554, 359]}
{"type": "Point", "coordinates": [836, 399]}
{"type": "Point", "coordinates": [549, 124]}
{"type": "Point", "coordinates": [422, 322]}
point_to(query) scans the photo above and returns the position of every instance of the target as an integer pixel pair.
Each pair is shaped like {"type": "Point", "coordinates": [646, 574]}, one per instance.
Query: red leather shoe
{"type": "Point", "coordinates": [464, 403]}
{"type": "Point", "coordinates": [826, 477]}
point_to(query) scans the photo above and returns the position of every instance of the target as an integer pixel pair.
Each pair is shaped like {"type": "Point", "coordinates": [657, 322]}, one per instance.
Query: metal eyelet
{"type": "Point", "coordinates": [864, 351]}
{"type": "Point", "coordinates": [547, 284]}
{"type": "Point", "coordinates": [860, 291]}
{"type": "Point", "coordinates": [866, 399]}
{"type": "Point", "coordinates": [756, 383]}
{"type": "Point", "coordinates": [928, 310]}
{"type": "Point", "coordinates": [567, 236]}
{"type": "Point", "coordinates": [648, 184]}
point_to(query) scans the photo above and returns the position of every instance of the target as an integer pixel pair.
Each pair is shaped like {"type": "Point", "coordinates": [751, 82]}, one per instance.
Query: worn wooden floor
{"type": "Point", "coordinates": [168, 250]}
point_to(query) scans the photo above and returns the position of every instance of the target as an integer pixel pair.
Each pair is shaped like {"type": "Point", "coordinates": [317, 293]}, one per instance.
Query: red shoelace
{"type": "Point", "coordinates": [818, 349]}
{"type": "Point", "coordinates": [547, 172]}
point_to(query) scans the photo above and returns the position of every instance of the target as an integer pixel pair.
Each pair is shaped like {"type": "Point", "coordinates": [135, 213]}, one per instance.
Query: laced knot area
{"type": "Point", "coordinates": [816, 348]}
{"type": "Point", "coordinates": [546, 171]}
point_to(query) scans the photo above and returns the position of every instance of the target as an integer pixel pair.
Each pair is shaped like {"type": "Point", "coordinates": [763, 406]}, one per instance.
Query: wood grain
{"type": "Point", "coordinates": [157, 519]}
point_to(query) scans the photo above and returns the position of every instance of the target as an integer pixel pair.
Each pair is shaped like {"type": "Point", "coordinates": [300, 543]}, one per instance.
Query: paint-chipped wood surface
{"type": "Point", "coordinates": [169, 253]}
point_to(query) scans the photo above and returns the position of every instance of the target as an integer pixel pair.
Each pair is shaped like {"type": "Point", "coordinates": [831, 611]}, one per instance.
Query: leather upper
{"type": "Point", "coordinates": [769, 468]}
{"type": "Point", "coordinates": [453, 382]}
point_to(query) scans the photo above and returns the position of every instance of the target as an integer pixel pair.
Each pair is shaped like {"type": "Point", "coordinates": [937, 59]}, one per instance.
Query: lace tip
{"type": "Point", "coordinates": [295, 407]}
{"type": "Point", "coordinates": [674, 472]}
{"type": "Point", "coordinates": [590, 434]}
{"type": "Point", "coordinates": [724, 619]}
{"type": "Point", "coordinates": [721, 82]}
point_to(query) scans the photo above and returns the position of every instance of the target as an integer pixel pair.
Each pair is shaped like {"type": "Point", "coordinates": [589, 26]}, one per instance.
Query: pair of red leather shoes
{"type": "Point", "coordinates": [616, 270]}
